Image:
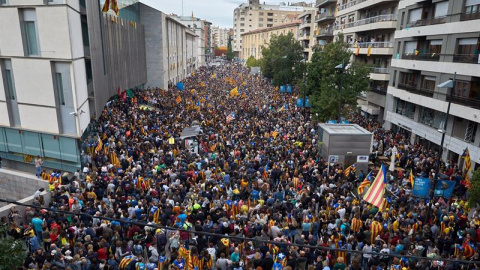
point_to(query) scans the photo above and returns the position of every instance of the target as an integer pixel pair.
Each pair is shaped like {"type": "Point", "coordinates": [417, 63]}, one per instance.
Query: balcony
{"type": "Point", "coordinates": [325, 32]}
{"type": "Point", "coordinates": [470, 16]}
{"type": "Point", "coordinates": [373, 23]}
{"type": "Point", "coordinates": [425, 22]}
{"type": "Point", "coordinates": [378, 89]}
{"type": "Point", "coordinates": [422, 56]}
{"type": "Point", "coordinates": [305, 25]}
{"type": "Point", "coordinates": [374, 44]}
{"type": "Point", "coordinates": [378, 48]}
{"type": "Point", "coordinates": [321, 3]}
{"type": "Point", "coordinates": [415, 90]}
{"type": "Point", "coordinates": [474, 103]}
{"type": "Point", "coordinates": [366, 4]}
{"type": "Point", "coordinates": [467, 58]}
{"type": "Point", "coordinates": [380, 74]}
{"type": "Point", "coordinates": [325, 17]}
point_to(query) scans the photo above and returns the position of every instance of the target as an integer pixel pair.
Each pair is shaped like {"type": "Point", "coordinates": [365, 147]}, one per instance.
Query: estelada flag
{"type": "Point", "coordinates": [376, 192]}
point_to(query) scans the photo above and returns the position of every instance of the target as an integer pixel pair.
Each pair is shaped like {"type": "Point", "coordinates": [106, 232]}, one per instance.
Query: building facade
{"type": "Point", "coordinates": [197, 25]}
{"type": "Point", "coordinates": [369, 27]}
{"type": "Point", "coordinates": [60, 62]}
{"type": "Point", "coordinates": [253, 16]}
{"type": "Point", "coordinates": [307, 30]}
{"type": "Point", "coordinates": [220, 36]}
{"type": "Point", "coordinates": [433, 40]}
{"type": "Point", "coordinates": [325, 21]}
{"type": "Point", "coordinates": [171, 48]}
{"type": "Point", "coordinates": [254, 41]}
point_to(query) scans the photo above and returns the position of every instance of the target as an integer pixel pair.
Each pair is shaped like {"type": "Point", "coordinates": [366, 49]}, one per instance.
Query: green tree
{"type": "Point", "coordinates": [251, 62]}
{"type": "Point", "coordinates": [12, 252]}
{"type": "Point", "coordinates": [282, 59]}
{"type": "Point", "coordinates": [230, 54]}
{"type": "Point", "coordinates": [474, 191]}
{"type": "Point", "coordinates": [324, 80]}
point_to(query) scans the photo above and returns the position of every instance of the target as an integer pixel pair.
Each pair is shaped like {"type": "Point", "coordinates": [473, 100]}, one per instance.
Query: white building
{"type": "Point", "coordinates": [198, 27]}
{"type": "Point", "coordinates": [60, 63]}
{"type": "Point", "coordinates": [220, 36]}
{"type": "Point", "coordinates": [434, 39]}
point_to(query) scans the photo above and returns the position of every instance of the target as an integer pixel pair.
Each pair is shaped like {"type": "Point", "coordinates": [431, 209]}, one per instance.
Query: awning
{"type": "Point", "coordinates": [190, 132]}
{"type": "Point", "coordinates": [372, 110]}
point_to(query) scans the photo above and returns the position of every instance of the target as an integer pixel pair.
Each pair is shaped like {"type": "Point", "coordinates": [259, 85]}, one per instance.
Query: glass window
{"type": "Point", "coordinates": [31, 38]}
{"type": "Point", "coordinates": [468, 46]}
{"type": "Point", "coordinates": [10, 88]}
{"type": "Point", "coordinates": [441, 9]}
{"type": "Point", "coordinates": [415, 15]}
{"type": "Point", "coordinates": [59, 81]}
{"type": "Point", "coordinates": [462, 89]}
{"type": "Point", "coordinates": [428, 83]}
{"type": "Point", "coordinates": [435, 46]}
{"type": "Point", "coordinates": [432, 118]}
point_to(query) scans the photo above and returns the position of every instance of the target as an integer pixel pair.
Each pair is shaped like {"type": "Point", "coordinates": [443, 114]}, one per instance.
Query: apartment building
{"type": "Point", "coordinates": [433, 40]}
{"type": "Point", "coordinates": [197, 25]}
{"type": "Point", "coordinates": [60, 62]}
{"type": "Point", "coordinates": [172, 48]}
{"type": "Point", "coordinates": [307, 30]}
{"type": "Point", "coordinates": [220, 36]}
{"type": "Point", "coordinates": [325, 21]}
{"type": "Point", "coordinates": [254, 41]}
{"type": "Point", "coordinates": [369, 27]}
{"type": "Point", "coordinates": [252, 16]}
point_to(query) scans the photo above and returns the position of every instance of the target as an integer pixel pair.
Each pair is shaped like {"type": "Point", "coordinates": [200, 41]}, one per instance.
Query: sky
{"type": "Point", "coordinates": [218, 12]}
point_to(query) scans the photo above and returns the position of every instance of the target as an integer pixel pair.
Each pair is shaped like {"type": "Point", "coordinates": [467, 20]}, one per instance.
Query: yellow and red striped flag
{"type": "Point", "coordinates": [369, 51]}
{"type": "Point", "coordinates": [376, 191]}
{"type": "Point", "coordinates": [356, 225]}
{"type": "Point", "coordinates": [99, 146]}
{"type": "Point", "coordinates": [375, 228]}
{"type": "Point", "coordinates": [358, 50]}
{"type": "Point", "coordinates": [411, 178]}
{"type": "Point", "coordinates": [467, 166]}
{"type": "Point", "coordinates": [364, 184]}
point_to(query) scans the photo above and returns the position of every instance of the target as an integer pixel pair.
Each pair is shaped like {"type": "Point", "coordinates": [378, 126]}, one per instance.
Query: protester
{"type": "Point", "coordinates": [254, 172]}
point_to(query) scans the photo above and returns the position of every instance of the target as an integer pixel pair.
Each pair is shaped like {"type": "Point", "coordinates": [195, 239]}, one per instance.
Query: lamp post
{"type": "Point", "coordinates": [450, 85]}
{"type": "Point", "coordinates": [340, 69]}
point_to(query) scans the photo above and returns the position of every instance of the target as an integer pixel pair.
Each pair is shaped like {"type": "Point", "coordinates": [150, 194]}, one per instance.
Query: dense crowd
{"type": "Point", "coordinates": [257, 174]}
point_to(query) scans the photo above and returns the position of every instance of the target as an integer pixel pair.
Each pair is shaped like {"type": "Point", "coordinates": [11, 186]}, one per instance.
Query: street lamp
{"type": "Point", "coordinates": [450, 85]}
{"type": "Point", "coordinates": [340, 69]}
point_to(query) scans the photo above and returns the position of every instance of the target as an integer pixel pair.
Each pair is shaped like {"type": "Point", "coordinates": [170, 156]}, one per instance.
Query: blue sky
{"type": "Point", "coordinates": [219, 12]}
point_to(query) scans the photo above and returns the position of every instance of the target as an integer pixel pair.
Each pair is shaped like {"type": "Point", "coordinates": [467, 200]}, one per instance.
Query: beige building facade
{"type": "Point", "coordinates": [254, 41]}
{"type": "Point", "coordinates": [252, 16]}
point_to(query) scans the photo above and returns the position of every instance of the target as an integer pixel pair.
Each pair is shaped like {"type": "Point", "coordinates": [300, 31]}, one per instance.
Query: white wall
{"type": "Point", "coordinates": [439, 29]}
{"type": "Point", "coordinates": [33, 81]}
{"type": "Point", "coordinates": [4, 120]}
{"type": "Point", "coordinates": [80, 91]}
{"type": "Point", "coordinates": [53, 31]}
{"type": "Point", "coordinates": [76, 40]}
{"type": "Point", "coordinates": [38, 118]}
{"type": "Point", "coordinates": [439, 67]}
{"type": "Point", "coordinates": [11, 36]}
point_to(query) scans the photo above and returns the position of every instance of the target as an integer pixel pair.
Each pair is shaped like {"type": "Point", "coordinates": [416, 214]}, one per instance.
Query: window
{"type": "Point", "coordinates": [405, 108]}
{"type": "Point", "coordinates": [472, 6]}
{"type": "Point", "coordinates": [242, 19]}
{"type": "Point", "coordinates": [260, 19]}
{"type": "Point", "coordinates": [242, 24]}
{"type": "Point", "coordinates": [269, 14]}
{"type": "Point", "coordinates": [269, 20]}
{"type": "Point", "coordinates": [432, 118]}
{"type": "Point", "coordinates": [441, 9]}
{"type": "Point", "coordinates": [269, 25]}
{"type": "Point", "coordinates": [468, 46]}
{"type": "Point", "coordinates": [462, 89]}
{"type": "Point", "coordinates": [435, 46]}
{"type": "Point", "coordinates": [3, 2]}
{"type": "Point", "coordinates": [351, 18]}
{"type": "Point", "coordinates": [260, 25]}
{"type": "Point", "coordinates": [9, 84]}
{"type": "Point", "coordinates": [242, 30]}
{"type": "Point", "coordinates": [428, 83]}
{"type": "Point", "coordinates": [260, 13]}
{"type": "Point", "coordinates": [407, 79]}
{"type": "Point", "coordinates": [410, 47]}
{"type": "Point", "coordinates": [29, 31]}
{"type": "Point", "coordinates": [415, 15]}
{"type": "Point", "coordinates": [59, 82]}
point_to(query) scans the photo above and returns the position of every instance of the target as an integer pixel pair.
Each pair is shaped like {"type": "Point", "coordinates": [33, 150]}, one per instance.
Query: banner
{"type": "Point", "coordinates": [421, 187]}
{"type": "Point", "coordinates": [444, 188]}
{"type": "Point", "coordinates": [307, 102]}
{"type": "Point", "coordinates": [282, 88]}
{"type": "Point", "coordinates": [299, 102]}
{"type": "Point", "coordinates": [289, 88]}
{"type": "Point", "coordinates": [331, 121]}
{"type": "Point", "coordinates": [180, 86]}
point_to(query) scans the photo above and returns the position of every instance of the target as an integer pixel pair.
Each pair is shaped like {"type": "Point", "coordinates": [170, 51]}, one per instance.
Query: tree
{"type": "Point", "coordinates": [252, 62]}
{"type": "Point", "coordinates": [282, 59]}
{"type": "Point", "coordinates": [230, 54]}
{"type": "Point", "coordinates": [324, 80]}
{"type": "Point", "coordinates": [474, 191]}
{"type": "Point", "coordinates": [12, 252]}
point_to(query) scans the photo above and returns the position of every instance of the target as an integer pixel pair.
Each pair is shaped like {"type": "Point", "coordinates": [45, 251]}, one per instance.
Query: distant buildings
{"type": "Point", "coordinates": [220, 36]}
{"type": "Point", "coordinates": [252, 16]}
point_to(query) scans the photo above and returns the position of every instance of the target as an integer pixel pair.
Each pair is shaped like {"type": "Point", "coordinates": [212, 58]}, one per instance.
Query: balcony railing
{"type": "Point", "coordinates": [474, 103]}
{"type": "Point", "coordinates": [325, 16]}
{"type": "Point", "coordinates": [379, 89]}
{"type": "Point", "coordinates": [467, 58]}
{"type": "Point", "coordinates": [381, 70]}
{"type": "Point", "coordinates": [415, 90]}
{"type": "Point", "coordinates": [373, 44]}
{"type": "Point", "coordinates": [470, 16]}
{"type": "Point", "coordinates": [325, 32]}
{"type": "Point", "coordinates": [350, 4]}
{"type": "Point", "coordinates": [422, 56]}
{"type": "Point", "coordinates": [425, 22]}
{"type": "Point", "coordinates": [380, 18]}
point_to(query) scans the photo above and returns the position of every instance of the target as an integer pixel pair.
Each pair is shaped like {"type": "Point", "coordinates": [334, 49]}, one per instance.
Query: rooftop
{"type": "Point", "coordinates": [344, 129]}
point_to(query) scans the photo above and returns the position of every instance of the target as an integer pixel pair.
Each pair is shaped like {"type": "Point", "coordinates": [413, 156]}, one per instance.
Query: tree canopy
{"type": "Point", "coordinates": [230, 54]}
{"type": "Point", "coordinates": [323, 80]}
{"type": "Point", "coordinates": [252, 62]}
{"type": "Point", "coordinates": [474, 191]}
{"type": "Point", "coordinates": [282, 59]}
{"type": "Point", "coordinates": [12, 252]}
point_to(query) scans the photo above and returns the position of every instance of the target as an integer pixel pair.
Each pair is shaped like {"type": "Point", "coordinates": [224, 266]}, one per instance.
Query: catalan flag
{"type": "Point", "coordinates": [375, 228]}
{"type": "Point", "coordinates": [467, 166]}
{"type": "Point", "coordinates": [114, 159]}
{"type": "Point", "coordinates": [358, 50]}
{"type": "Point", "coordinates": [385, 204]}
{"type": "Point", "coordinates": [366, 182]}
{"type": "Point", "coordinates": [416, 52]}
{"type": "Point", "coordinates": [214, 76]}
{"type": "Point", "coordinates": [350, 168]}
{"type": "Point", "coordinates": [110, 4]}
{"type": "Point", "coordinates": [106, 7]}
{"type": "Point", "coordinates": [356, 225]}
{"type": "Point", "coordinates": [126, 260]}
{"type": "Point", "coordinates": [468, 250]}
{"type": "Point", "coordinates": [155, 211]}
{"type": "Point", "coordinates": [411, 178]}
{"type": "Point", "coordinates": [178, 99]}
{"type": "Point", "coordinates": [225, 242]}
{"type": "Point", "coordinates": [369, 51]}
{"type": "Point", "coordinates": [234, 92]}
{"type": "Point", "coordinates": [376, 192]}
{"type": "Point", "coordinates": [99, 146]}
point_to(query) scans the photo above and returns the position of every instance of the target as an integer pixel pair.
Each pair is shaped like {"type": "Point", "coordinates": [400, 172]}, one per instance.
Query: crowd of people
{"type": "Point", "coordinates": [254, 193]}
